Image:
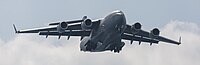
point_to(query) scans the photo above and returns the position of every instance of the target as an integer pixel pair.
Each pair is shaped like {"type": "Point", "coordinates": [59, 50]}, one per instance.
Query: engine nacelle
{"type": "Point", "coordinates": [86, 24]}
{"type": "Point", "coordinates": [136, 27]}
{"type": "Point", "coordinates": [62, 26]}
{"type": "Point", "coordinates": [155, 32]}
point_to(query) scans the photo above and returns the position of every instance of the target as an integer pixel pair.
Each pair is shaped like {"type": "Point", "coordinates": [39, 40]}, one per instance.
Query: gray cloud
{"type": "Point", "coordinates": [35, 50]}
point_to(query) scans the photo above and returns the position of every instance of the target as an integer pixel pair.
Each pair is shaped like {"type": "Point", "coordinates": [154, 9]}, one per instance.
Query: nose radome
{"type": "Point", "coordinates": [117, 11]}
{"type": "Point", "coordinates": [119, 15]}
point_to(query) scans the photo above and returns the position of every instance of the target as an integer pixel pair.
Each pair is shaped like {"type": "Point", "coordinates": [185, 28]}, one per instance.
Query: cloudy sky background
{"type": "Point", "coordinates": [174, 18]}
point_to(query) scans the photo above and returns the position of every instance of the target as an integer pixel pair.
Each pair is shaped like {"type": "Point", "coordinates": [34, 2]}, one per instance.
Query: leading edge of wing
{"type": "Point", "coordinates": [163, 39]}
{"type": "Point", "coordinates": [70, 22]}
{"type": "Point", "coordinates": [35, 30]}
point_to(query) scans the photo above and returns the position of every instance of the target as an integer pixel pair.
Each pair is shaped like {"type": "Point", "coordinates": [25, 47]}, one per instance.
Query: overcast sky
{"type": "Point", "coordinates": [173, 17]}
{"type": "Point", "coordinates": [151, 13]}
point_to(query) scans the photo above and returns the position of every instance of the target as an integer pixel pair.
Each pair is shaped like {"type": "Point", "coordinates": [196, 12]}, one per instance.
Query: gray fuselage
{"type": "Point", "coordinates": [108, 33]}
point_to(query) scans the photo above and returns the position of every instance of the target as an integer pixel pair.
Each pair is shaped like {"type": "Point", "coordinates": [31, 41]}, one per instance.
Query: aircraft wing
{"type": "Point", "coordinates": [70, 22]}
{"type": "Point", "coordinates": [73, 29]}
{"type": "Point", "coordinates": [145, 36]}
{"type": "Point", "coordinates": [136, 38]}
{"type": "Point", "coordinates": [48, 28]}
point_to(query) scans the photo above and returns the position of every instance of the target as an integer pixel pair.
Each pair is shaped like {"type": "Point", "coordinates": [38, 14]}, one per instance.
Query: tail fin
{"type": "Point", "coordinates": [15, 28]}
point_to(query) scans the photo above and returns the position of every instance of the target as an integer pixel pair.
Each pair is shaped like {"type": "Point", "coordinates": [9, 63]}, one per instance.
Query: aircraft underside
{"type": "Point", "coordinates": [109, 42]}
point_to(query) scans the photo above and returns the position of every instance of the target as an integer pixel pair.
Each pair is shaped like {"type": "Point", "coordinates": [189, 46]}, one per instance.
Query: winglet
{"type": "Point", "coordinates": [15, 28]}
{"type": "Point", "coordinates": [179, 41]}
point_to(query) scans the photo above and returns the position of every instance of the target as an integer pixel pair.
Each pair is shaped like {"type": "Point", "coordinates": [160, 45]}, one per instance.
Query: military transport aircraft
{"type": "Point", "coordinates": [101, 34]}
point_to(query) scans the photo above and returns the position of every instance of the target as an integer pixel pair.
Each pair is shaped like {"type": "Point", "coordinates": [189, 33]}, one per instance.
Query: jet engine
{"type": "Point", "coordinates": [155, 32]}
{"type": "Point", "coordinates": [136, 28]}
{"type": "Point", "coordinates": [61, 27]}
{"type": "Point", "coordinates": [86, 24]}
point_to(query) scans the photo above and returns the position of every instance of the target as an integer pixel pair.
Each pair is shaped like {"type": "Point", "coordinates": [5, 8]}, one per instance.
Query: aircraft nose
{"type": "Point", "coordinates": [118, 12]}
{"type": "Point", "coordinates": [119, 17]}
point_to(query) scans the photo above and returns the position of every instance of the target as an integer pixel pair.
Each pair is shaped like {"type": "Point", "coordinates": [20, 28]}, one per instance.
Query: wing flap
{"type": "Point", "coordinates": [67, 33]}
{"type": "Point", "coordinates": [135, 38]}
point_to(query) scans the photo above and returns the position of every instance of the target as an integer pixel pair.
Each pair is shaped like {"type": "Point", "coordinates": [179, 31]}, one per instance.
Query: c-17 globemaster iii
{"type": "Point", "coordinates": [101, 34]}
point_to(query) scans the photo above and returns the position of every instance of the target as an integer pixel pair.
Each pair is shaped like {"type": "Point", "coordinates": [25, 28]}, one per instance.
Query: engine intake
{"type": "Point", "coordinates": [86, 24]}
{"type": "Point", "coordinates": [136, 27]}
{"type": "Point", "coordinates": [62, 26]}
{"type": "Point", "coordinates": [155, 32]}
